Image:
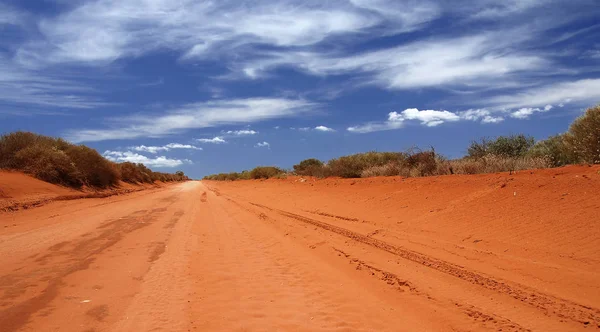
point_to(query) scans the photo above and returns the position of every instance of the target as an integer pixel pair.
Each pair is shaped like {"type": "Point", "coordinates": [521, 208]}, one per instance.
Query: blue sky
{"type": "Point", "coordinates": [219, 86]}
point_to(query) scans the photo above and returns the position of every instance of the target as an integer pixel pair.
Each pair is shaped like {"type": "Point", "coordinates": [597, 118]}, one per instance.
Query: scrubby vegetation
{"type": "Point", "coordinates": [261, 172]}
{"type": "Point", "coordinates": [514, 146]}
{"type": "Point", "coordinates": [309, 167]}
{"type": "Point", "coordinates": [57, 161]}
{"type": "Point", "coordinates": [580, 144]}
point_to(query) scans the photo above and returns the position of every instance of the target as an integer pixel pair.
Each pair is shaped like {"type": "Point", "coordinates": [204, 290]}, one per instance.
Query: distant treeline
{"type": "Point", "coordinates": [579, 145]}
{"type": "Point", "coordinates": [57, 161]}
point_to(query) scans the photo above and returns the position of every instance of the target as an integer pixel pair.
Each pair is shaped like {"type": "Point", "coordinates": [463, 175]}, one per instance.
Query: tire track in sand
{"type": "Point", "coordinates": [548, 304]}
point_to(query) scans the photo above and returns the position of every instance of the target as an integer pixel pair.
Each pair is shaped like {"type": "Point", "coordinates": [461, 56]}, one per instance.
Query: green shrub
{"type": "Point", "coordinates": [505, 146]}
{"type": "Point", "coordinates": [94, 170]}
{"type": "Point", "coordinates": [584, 136]}
{"type": "Point", "coordinates": [48, 164]}
{"type": "Point", "coordinates": [556, 149]}
{"type": "Point", "coordinates": [129, 172]}
{"type": "Point", "coordinates": [352, 166]}
{"type": "Point", "coordinates": [309, 167]}
{"type": "Point", "coordinates": [265, 172]}
{"type": "Point", "coordinates": [58, 161]}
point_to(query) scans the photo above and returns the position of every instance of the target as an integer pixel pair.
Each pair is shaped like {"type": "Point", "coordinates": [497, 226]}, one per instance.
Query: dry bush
{"type": "Point", "coordinates": [130, 173]}
{"type": "Point", "coordinates": [505, 146]}
{"type": "Point", "coordinates": [413, 163]}
{"type": "Point", "coordinates": [556, 149]}
{"type": "Point", "coordinates": [352, 166]}
{"type": "Point", "coordinates": [494, 164]}
{"type": "Point", "coordinates": [312, 167]}
{"type": "Point", "coordinates": [265, 172]}
{"type": "Point", "coordinates": [391, 169]}
{"type": "Point", "coordinates": [422, 163]}
{"type": "Point", "coordinates": [48, 164]}
{"type": "Point", "coordinates": [94, 170]}
{"type": "Point", "coordinates": [584, 136]}
{"type": "Point", "coordinates": [58, 161]}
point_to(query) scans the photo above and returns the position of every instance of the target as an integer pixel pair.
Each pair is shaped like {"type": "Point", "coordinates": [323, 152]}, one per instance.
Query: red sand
{"type": "Point", "coordinates": [456, 253]}
{"type": "Point", "coordinates": [20, 191]}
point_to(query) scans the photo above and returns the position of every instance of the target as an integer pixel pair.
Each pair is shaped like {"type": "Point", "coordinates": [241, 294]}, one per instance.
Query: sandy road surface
{"type": "Point", "coordinates": [247, 257]}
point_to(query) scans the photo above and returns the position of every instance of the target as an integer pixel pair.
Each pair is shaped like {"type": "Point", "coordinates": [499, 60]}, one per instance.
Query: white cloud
{"type": "Point", "coordinates": [492, 119]}
{"type": "Point", "coordinates": [471, 61]}
{"type": "Point", "coordinates": [128, 156]}
{"type": "Point", "coordinates": [21, 86]}
{"type": "Point", "coordinates": [156, 149]}
{"type": "Point", "coordinates": [98, 32]}
{"type": "Point", "coordinates": [10, 16]}
{"type": "Point", "coordinates": [483, 115]}
{"type": "Point", "coordinates": [105, 30]}
{"type": "Point", "coordinates": [592, 54]}
{"type": "Point", "coordinates": [182, 146]}
{"type": "Point", "coordinates": [317, 128]}
{"type": "Point", "coordinates": [375, 126]}
{"type": "Point", "coordinates": [214, 140]}
{"type": "Point", "coordinates": [262, 145]}
{"type": "Point", "coordinates": [429, 118]}
{"type": "Point", "coordinates": [243, 132]}
{"type": "Point", "coordinates": [581, 92]}
{"type": "Point", "coordinates": [501, 9]}
{"type": "Point", "coordinates": [324, 129]}
{"type": "Point", "coordinates": [525, 112]}
{"type": "Point", "coordinates": [151, 149]}
{"type": "Point", "coordinates": [432, 118]}
{"type": "Point", "coordinates": [197, 115]}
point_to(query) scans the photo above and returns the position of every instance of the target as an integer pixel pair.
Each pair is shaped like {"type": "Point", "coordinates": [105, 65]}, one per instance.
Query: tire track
{"type": "Point", "coordinates": [489, 321]}
{"type": "Point", "coordinates": [562, 308]}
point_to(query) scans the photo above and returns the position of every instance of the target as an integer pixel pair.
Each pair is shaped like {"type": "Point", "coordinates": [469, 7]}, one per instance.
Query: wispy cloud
{"type": "Point", "coordinates": [462, 61]}
{"type": "Point", "coordinates": [491, 115]}
{"type": "Point", "coordinates": [370, 127]}
{"type": "Point", "coordinates": [324, 129]}
{"type": "Point", "coordinates": [396, 120]}
{"type": "Point", "coordinates": [500, 9]}
{"type": "Point", "coordinates": [160, 81]}
{"type": "Point", "coordinates": [106, 30]}
{"type": "Point", "coordinates": [429, 118]}
{"type": "Point", "coordinates": [128, 156]}
{"type": "Point", "coordinates": [483, 115]}
{"type": "Point", "coordinates": [317, 128]}
{"type": "Point", "coordinates": [525, 112]}
{"type": "Point", "coordinates": [243, 132]}
{"type": "Point", "coordinates": [21, 86]}
{"type": "Point", "coordinates": [11, 16]}
{"type": "Point", "coordinates": [170, 146]}
{"type": "Point", "coordinates": [197, 115]}
{"type": "Point", "coordinates": [214, 140]}
{"type": "Point", "coordinates": [263, 145]}
{"type": "Point", "coordinates": [580, 92]}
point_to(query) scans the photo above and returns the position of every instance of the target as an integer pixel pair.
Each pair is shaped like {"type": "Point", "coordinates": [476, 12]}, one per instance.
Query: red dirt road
{"type": "Point", "coordinates": [456, 253]}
